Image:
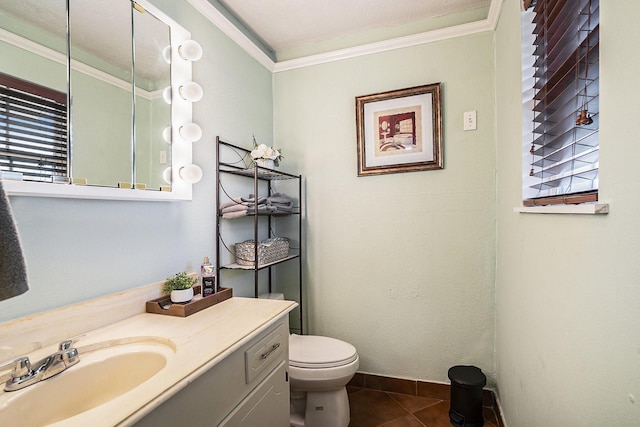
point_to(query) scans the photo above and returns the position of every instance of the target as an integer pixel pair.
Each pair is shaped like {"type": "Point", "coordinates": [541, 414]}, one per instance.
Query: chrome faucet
{"type": "Point", "coordinates": [24, 373]}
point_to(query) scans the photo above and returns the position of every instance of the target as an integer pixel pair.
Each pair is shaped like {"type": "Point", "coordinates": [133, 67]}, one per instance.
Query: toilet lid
{"type": "Point", "coordinates": [312, 351]}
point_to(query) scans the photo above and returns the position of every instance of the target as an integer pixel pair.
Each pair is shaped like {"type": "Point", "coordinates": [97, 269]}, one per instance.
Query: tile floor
{"type": "Point", "coordinates": [375, 408]}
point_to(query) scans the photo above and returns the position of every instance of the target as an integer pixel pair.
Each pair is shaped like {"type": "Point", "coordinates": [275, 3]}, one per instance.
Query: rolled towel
{"type": "Point", "coordinates": [232, 202]}
{"type": "Point", "coordinates": [13, 271]}
{"type": "Point", "coordinates": [235, 208]}
{"type": "Point", "coordinates": [237, 214]}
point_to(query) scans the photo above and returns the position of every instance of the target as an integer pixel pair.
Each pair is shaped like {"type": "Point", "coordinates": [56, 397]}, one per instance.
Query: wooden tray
{"type": "Point", "coordinates": [195, 305]}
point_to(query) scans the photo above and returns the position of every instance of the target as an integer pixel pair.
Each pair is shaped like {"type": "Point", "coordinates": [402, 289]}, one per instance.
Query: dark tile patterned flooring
{"type": "Point", "coordinates": [376, 408]}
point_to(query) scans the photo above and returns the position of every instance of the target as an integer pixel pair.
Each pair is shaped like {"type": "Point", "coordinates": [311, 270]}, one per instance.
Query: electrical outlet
{"type": "Point", "coordinates": [470, 120]}
{"type": "Point", "coordinates": [163, 157]}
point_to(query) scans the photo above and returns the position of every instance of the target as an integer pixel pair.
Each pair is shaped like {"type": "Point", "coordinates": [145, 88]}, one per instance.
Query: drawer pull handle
{"type": "Point", "coordinates": [271, 350]}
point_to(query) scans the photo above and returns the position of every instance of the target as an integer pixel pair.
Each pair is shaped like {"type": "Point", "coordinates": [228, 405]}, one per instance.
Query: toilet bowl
{"type": "Point", "coordinates": [319, 370]}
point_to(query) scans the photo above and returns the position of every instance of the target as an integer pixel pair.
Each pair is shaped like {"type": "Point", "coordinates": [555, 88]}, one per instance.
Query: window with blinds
{"type": "Point", "coordinates": [33, 130]}
{"type": "Point", "coordinates": [560, 100]}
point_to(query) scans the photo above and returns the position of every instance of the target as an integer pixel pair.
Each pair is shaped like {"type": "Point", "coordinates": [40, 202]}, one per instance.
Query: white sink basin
{"type": "Point", "coordinates": [105, 372]}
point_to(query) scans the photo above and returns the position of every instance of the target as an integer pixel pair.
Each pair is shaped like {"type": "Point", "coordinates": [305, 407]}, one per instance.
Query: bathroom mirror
{"type": "Point", "coordinates": [115, 137]}
{"type": "Point", "coordinates": [101, 104]}
{"type": "Point", "coordinates": [152, 74]}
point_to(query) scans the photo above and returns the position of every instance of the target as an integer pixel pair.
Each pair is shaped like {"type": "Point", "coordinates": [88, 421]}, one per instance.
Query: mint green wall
{"type": "Point", "coordinates": [80, 249]}
{"type": "Point", "coordinates": [399, 265]}
{"type": "Point", "coordinates": [568, 337]}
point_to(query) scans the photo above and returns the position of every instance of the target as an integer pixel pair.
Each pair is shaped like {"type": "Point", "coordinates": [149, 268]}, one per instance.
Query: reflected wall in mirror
{"type": "Point", "coordinates": [116, 49]}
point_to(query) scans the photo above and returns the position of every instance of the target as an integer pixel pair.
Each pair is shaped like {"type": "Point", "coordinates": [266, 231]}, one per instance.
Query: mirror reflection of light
{"type": "Point", "coordinates": [166, 134]}
{"type": "Point", "coordinates": [166, 54]}
{"type": "Point", "coordinates": [166, 175]}
{"type": "Point", "coordinates": [166, 95]}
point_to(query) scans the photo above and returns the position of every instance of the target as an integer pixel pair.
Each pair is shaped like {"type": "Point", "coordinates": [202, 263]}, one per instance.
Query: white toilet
{"type": "Point", "coordinates": [319, 370]}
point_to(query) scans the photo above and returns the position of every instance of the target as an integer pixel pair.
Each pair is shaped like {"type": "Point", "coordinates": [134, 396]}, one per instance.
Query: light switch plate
{"type": "Point", "coordinates": [470, 120]}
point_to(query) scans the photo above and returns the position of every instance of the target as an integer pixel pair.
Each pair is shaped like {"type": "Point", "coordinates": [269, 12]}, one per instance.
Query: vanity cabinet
{"type": "Point", "coordinates": [247, 388]}
{"type": "Point", "coordinates": [237, 176]}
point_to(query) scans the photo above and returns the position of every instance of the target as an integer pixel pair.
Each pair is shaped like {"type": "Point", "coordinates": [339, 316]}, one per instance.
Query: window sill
{"type": "Point", "coordinates": [583, 209]}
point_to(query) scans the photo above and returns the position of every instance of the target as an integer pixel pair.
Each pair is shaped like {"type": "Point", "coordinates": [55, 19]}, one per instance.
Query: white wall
{"type": "Point", "coordinates": [400, 265]}
{"type": "Point", "coordinates": [80, 249]}
{"type": "Point", "coordinates": [568, 338]}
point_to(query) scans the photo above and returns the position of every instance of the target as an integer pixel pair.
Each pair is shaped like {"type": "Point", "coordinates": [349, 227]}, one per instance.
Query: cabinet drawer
{"type": "Point", "coordinates": [266, 353]}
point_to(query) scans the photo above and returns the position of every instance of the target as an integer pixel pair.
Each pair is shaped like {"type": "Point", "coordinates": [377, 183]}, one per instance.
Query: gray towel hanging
{"type": "Point", "coordinates": [13, 271]}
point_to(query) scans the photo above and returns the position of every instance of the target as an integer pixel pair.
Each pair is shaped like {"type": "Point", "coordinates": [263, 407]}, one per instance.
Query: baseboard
{"type": "Point", "coordinates": [427, 389]}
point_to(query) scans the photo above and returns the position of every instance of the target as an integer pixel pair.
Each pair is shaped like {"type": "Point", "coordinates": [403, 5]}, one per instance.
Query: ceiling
{"type": "Point", "coordinates": [279, 26]}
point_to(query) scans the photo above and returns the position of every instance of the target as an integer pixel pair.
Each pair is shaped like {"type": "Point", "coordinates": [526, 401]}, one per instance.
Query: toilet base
{"type": "Point", "coordinates": [321, 408]}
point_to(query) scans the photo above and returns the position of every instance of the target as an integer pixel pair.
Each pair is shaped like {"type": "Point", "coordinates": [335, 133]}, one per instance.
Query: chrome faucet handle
{"type": "Point", "coordinates": [19, 367]}
{"type": "Point", "coordinates": [70, 357]}
{"type": "Point", "coordinates": [66, 344]}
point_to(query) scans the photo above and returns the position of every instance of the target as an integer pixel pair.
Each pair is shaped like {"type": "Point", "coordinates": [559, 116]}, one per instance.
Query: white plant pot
{"type": "Point", "coordinates": [266, 163]}
{"type": "Point", "coordinates": [182, 295]}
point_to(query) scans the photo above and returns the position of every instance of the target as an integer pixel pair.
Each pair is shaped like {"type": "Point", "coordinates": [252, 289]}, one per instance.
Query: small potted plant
{"type": "Point", "coordinates": [264, 156]}
{"type": "Point", "coordinates": [180, 287]}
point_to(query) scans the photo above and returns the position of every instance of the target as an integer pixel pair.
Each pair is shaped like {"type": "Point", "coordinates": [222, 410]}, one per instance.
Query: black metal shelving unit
{"type": "Point", "coordinates": [261, 179]}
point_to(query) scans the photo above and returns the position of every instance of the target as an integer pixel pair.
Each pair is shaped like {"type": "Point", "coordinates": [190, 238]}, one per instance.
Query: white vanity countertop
{"type": "Point", "coordinates": [200, 341]}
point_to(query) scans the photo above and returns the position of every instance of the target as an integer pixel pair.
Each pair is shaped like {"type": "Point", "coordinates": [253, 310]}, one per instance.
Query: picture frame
{"type": "Point", "coordinates": [400, 130]}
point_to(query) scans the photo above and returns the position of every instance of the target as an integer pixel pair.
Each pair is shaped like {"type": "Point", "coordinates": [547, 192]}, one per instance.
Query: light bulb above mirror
{"type": "Point", "coordinates": [191, 91]}
{"type": "Point", "coordinates": [190, 173]}
{"type": "Point", "coordinates": [190, 132]}
{"type": "Point", "coordinates": [190, 50]}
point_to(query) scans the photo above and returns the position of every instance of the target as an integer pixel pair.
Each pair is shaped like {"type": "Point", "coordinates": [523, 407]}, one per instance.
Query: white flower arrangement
{"type": "Point", "coordinates": [265, 152]}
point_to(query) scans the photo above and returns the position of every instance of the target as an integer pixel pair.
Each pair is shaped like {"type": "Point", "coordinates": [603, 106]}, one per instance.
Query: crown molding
{"type": "Point", "coordinates": [227, 27]}
{"type": "Point", "coordinates": [219, 20]}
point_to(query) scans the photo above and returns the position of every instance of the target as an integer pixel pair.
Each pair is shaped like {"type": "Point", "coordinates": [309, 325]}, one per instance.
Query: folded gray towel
{"type": "Point", "coordinates": [252, 199]}
{"type": "Point", "coordinates": [13, 271]}
{"type": "Point", "coordinates": [261, 209]}
{"type": "Point", "coordinates": [281, 208]}
{"type": "Point", "coordinates": [280, 199]}
{"type": "Point", "coordinates": [281, 202]}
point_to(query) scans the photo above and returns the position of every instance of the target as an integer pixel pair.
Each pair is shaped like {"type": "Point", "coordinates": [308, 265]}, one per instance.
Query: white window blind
{"type": "Point", "coordinates": [560, 100]}
{"type": "Point", "coordinates": [33, 130]}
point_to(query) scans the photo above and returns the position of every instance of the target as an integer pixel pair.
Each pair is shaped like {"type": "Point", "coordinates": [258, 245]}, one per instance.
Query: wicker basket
{"type": "Point", "coordinates": [269, 250]}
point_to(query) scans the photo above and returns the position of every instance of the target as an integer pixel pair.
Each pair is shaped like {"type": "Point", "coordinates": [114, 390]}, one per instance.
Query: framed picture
{"type": "Point", "coordinates": [399, 131]}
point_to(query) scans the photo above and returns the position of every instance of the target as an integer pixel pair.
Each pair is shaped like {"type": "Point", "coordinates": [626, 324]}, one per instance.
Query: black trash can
{"type": "Point", "coordinates": [466, 396]}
